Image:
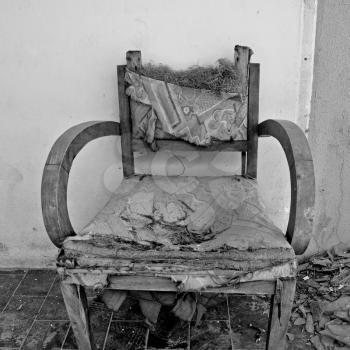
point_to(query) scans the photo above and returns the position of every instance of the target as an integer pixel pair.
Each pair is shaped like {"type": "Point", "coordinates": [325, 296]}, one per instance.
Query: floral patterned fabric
{"type": "Point", "coordinates": [163, 110]}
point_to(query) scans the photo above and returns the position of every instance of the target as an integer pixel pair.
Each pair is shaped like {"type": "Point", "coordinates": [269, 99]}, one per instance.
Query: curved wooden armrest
{"type": "Point", "coordinates": [302, 179]}
{"type": "Point", "coordinates": [56, 173]}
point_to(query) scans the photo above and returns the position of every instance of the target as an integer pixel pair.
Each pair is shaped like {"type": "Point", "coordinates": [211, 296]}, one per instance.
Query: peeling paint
{"type": "Point", "coordinates": [309, 213]}
{"type": "Point", "coordinates": [3, 248]}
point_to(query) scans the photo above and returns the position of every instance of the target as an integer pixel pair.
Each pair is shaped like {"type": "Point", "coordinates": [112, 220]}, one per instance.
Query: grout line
{"type": "Point", "coordinates": [47, 294]}
{"type": "Point", "coordinates": [146, 338]}
{"type": "Point", "coordinates": [12, 270]}
{"type": "Point", "coordinates": [19, 268]}
{"type": "Point", "coordinates": [37, 313]}
{"type": "Point", "coordinates": [10, 298]}
{"type": "Point", "coordinates": [32, 296]}
{"type": "Point", "coordinates": [127, 321]}
{"type": "Point", "coordinates": [107, 331]}
{"type": "Point", "coordinates": [228, 310]}
{"type": "Point", "coordinates": [229, 321]}
{"type": "Point", "coordinates": [29, 329]}
{"type": "Point", "coordinates": [67, 320]}
{"type": "Point", "coordinates": [189, 336]}
{"type": "Point", "coordinates": [66, 336]}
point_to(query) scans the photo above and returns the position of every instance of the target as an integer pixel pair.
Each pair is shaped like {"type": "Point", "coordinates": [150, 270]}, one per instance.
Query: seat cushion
{"type": "Point", "coordinates": [184, 225]}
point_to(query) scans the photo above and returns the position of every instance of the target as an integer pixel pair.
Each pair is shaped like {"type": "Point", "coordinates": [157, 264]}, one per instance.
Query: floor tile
{"type": "Point", "coordinates": [126, 336]}
{"type": "Point", "coordinates": [100, 318]}
{"type": "Point", "coordinates": [55, 290]}
{"type": "Point", "coordinates": [70, 342]}
{"type": "Point", "coordinates": [46, 335]}
{"type": "Point", "coordinates": [170, 332]}
{"type": "Point", "coordinates": [17, 318]}
{"type": "Point", "coordinates": [216, 305]}
{"type": "Point", "coordinates": [13, 330]}
{"type": "Point", "coordinates": [249, 320]}
{"type": "Point", "coordinates": [24, 307]}
{"type": "Point", "coordinates": [8, 284]}
{"type": "Point", "coordinates": [211, 335]}
{"type": "Point", "coordinates": [36, 282]}
{"type": "Point", "coordinates": [130, 310]}
{"type": "Point", "coordinates": [53, 309]}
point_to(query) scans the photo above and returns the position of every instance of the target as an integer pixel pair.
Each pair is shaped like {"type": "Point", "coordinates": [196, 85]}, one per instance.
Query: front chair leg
{"type": "Point", "coordinates": [279, 316]}
{"type": "Point", "coordinates": [77, 308]}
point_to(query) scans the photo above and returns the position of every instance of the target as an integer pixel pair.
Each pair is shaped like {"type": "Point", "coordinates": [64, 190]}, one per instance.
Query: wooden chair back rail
{"type": "Point", "coordinates": [179, 145]}
{"type": "Point", "coordinates": [125, 125]}
{"type": "Point", "coordinates": [253, 120]}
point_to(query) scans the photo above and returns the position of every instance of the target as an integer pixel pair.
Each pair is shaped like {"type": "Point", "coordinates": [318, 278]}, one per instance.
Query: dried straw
{"type": "Point", "coordinates": [222, 77]}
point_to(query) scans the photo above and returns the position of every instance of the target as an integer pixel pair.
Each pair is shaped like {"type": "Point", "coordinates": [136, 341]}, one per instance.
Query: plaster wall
{"type": "Point", "coordinates": [329, 135]}
{"type": "Point", "coordinates": [58, 68]}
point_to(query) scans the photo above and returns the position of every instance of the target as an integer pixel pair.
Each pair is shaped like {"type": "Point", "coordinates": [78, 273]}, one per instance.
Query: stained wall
{"type": "Point", "coordinates": [329, 133]}
{"type": "Point", "coordinates": [58, 68]}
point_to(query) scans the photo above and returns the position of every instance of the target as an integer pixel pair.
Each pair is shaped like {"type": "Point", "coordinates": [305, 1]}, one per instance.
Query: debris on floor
{"type": "Point", "coordinates": [321, 311]}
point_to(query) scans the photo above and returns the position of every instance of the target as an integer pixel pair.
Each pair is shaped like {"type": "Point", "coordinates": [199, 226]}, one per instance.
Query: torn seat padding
{"type": "Point", "coordinates": [181, 224]}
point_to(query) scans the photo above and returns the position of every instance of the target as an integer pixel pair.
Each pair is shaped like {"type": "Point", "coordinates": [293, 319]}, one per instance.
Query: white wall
{"type": "Point", "coordinates": [330, 125]}
{"type": "Point", "coordinates": [57, 69]}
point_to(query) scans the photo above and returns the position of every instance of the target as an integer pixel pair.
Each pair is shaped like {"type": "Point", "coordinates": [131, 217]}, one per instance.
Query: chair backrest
{"type": "Point", "coordinates": [248, 147]}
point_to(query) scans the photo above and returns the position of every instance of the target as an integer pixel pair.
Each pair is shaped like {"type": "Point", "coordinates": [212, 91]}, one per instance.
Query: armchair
{"type": "Point", "coordinates": [143, 242]}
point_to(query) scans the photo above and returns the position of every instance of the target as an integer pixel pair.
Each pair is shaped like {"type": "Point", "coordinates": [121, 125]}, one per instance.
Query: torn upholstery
{"type": "Point", "coordinates": [161, 110]}
{"type": "Point", "coordinates": [201, 232]}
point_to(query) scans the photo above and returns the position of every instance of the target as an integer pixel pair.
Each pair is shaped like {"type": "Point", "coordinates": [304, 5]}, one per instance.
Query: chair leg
{"type": "Point", "coordinates": [77, 308]}
{"type": "Point", "coordinates": [279, 316]}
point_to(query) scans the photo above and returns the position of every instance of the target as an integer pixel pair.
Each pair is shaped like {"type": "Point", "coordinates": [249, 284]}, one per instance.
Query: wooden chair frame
{"type": "Point", "coordinates": [58, 225]}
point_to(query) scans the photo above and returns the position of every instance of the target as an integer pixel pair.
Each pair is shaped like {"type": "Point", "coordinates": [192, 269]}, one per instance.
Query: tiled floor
{"type": "Point", "coordinates": [33, 316]}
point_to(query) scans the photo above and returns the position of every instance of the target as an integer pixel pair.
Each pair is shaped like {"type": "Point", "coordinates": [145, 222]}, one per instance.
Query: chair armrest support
{"type": "Point", "coordinates": [56, 172]}
{"type": "Point", "coordinates": [302, 179]}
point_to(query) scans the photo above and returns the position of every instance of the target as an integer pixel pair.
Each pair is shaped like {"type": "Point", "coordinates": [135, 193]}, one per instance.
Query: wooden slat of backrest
{"type": "Point", "coordinates": [133, 62]}
{"type": "Point", "coordinates": [241, 60]}
{"type": "Point", "coordinates": [243, 163]}
{"type": "Point", "coordinates": [253, 120]}
{"type": "Point", "coordinates": [179, 145]}
{"type": "Point", "coordinates": [125, 125]}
